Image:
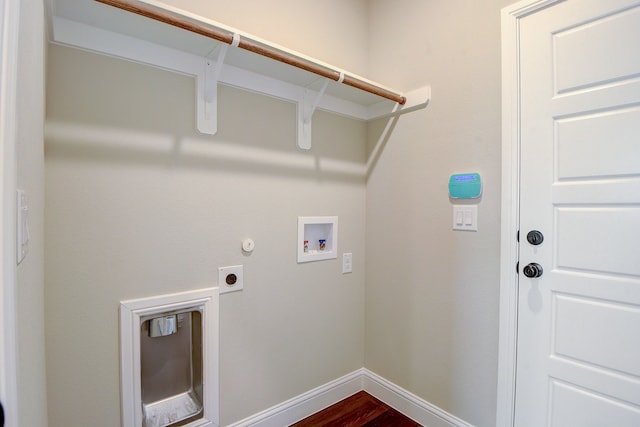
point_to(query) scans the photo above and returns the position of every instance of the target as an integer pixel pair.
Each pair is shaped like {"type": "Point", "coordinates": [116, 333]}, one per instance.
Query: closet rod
{"type": "Point", "coordinates": [253, 46]}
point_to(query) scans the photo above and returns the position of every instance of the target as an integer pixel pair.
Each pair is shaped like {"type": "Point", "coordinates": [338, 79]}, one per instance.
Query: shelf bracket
{"type": "Point", "coordinates": [306, 107]}
{"type": "Point", "coordinates": [208, 90]}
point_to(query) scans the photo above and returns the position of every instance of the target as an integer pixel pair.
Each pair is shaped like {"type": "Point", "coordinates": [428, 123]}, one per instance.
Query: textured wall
{"type": "Point", "coordinates": [139, 204]}
{"type": "Point", "coordinates": [432, 293]}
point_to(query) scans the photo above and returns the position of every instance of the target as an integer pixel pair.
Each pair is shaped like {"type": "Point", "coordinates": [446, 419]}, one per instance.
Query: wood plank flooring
{"type": "Point", "coordinates": [359, 410]}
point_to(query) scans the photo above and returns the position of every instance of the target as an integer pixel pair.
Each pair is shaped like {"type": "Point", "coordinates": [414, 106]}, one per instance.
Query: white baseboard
{"type": "Point", "coordinates": [308, 403]}
{"type": "Point", "coordinates": [315, 400]}
{"type": "Point", "coordinates": [408, 403]}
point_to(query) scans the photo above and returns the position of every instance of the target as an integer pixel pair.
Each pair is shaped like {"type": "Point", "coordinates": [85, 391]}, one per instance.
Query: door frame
{"type": "Point", "coordinates": [9, 40]}
{"type": "Point", "coordinates": [510, 224]}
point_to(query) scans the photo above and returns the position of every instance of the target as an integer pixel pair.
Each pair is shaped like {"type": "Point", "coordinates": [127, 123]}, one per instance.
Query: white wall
{"type": "Point", "coordinates": [432, 293]}
{"type": "Point", "coordinates": [32, 402]}
{"type": "Point", "coordinates": [333, 31]}
{"type": "Point", "coordinates": [139, 204]}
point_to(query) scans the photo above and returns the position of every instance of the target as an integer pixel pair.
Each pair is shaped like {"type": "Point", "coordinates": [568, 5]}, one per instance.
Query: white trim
{"type": "Point", "coordinates": [408, 403]}
{"type": "Point", "coordinates": [319, 398]}
{"type": "Point", "coordinates": [9, 41]}
{"type": "Point", "coordinates": [511, 16]}
{"type": "Point", "coordinates": [130, 315]}
{"type": "Point", "coordinates": [308, 403]}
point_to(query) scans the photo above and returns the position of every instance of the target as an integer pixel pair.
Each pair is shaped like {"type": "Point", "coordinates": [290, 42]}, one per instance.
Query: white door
{"type": "Point", "coordinates": [578, 348]}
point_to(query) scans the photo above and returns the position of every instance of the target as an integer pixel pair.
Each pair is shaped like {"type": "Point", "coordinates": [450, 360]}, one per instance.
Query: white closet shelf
{"type": "Point", "coordinates": [156, 34]}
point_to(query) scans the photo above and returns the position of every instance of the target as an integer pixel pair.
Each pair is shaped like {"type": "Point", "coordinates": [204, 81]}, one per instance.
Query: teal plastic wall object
{"type": "Point", "coordinates": [465, 186]}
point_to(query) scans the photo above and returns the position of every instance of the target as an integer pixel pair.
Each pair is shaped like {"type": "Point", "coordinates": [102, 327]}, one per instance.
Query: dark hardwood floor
{"type": "Point", "coordinates": [359, 410]}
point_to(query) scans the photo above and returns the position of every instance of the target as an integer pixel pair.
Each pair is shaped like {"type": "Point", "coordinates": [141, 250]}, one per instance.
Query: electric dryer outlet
{"type": "Point", "coordinates": [230, 279]}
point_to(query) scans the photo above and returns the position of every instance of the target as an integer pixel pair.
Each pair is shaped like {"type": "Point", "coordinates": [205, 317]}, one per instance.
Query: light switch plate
{"type": "Point", "coordinates": [347, 262]}
{"type": "Point", "coordinates": [465, 217]}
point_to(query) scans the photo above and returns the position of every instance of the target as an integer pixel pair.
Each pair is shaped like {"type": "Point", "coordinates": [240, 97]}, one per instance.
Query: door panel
{"type": "Point", "coordinates": [573, 406]}
{"type": "Point", "coordinates": [586, 329]}
{"type": "Point", "coordinates": [602, 234]}
{"type": "Point", "coordinates": [603, 40]}
{"type": "Point", "coordinates": [578, 352]}
{"type": "Point", "coordinates": [608, 157]}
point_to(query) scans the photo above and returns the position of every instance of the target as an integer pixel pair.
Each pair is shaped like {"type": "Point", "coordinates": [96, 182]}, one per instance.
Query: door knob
{"type": "Point", "coordinates": [535, 237]}
{"type": "Point", "coordinates": [532, 270]}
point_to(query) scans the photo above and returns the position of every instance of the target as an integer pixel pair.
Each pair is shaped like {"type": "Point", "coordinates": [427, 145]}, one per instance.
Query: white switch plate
{"type": "Point", "coordinates": [347, 263]}
{"type": "Point", "coordinates": [465, 217]}
{"type": "Point", "coordinates": [226, 276]}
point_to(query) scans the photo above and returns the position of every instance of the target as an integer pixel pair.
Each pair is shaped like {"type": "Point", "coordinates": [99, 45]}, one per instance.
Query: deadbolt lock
{"type": "Point", "coordinates": [535, 237]}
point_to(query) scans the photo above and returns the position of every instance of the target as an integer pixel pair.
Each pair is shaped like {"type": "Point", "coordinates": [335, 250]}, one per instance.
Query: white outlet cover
{"type": "Point", "coordinates": [228, 272]}
{"type": "Point", "coordinates": [347, 263]}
